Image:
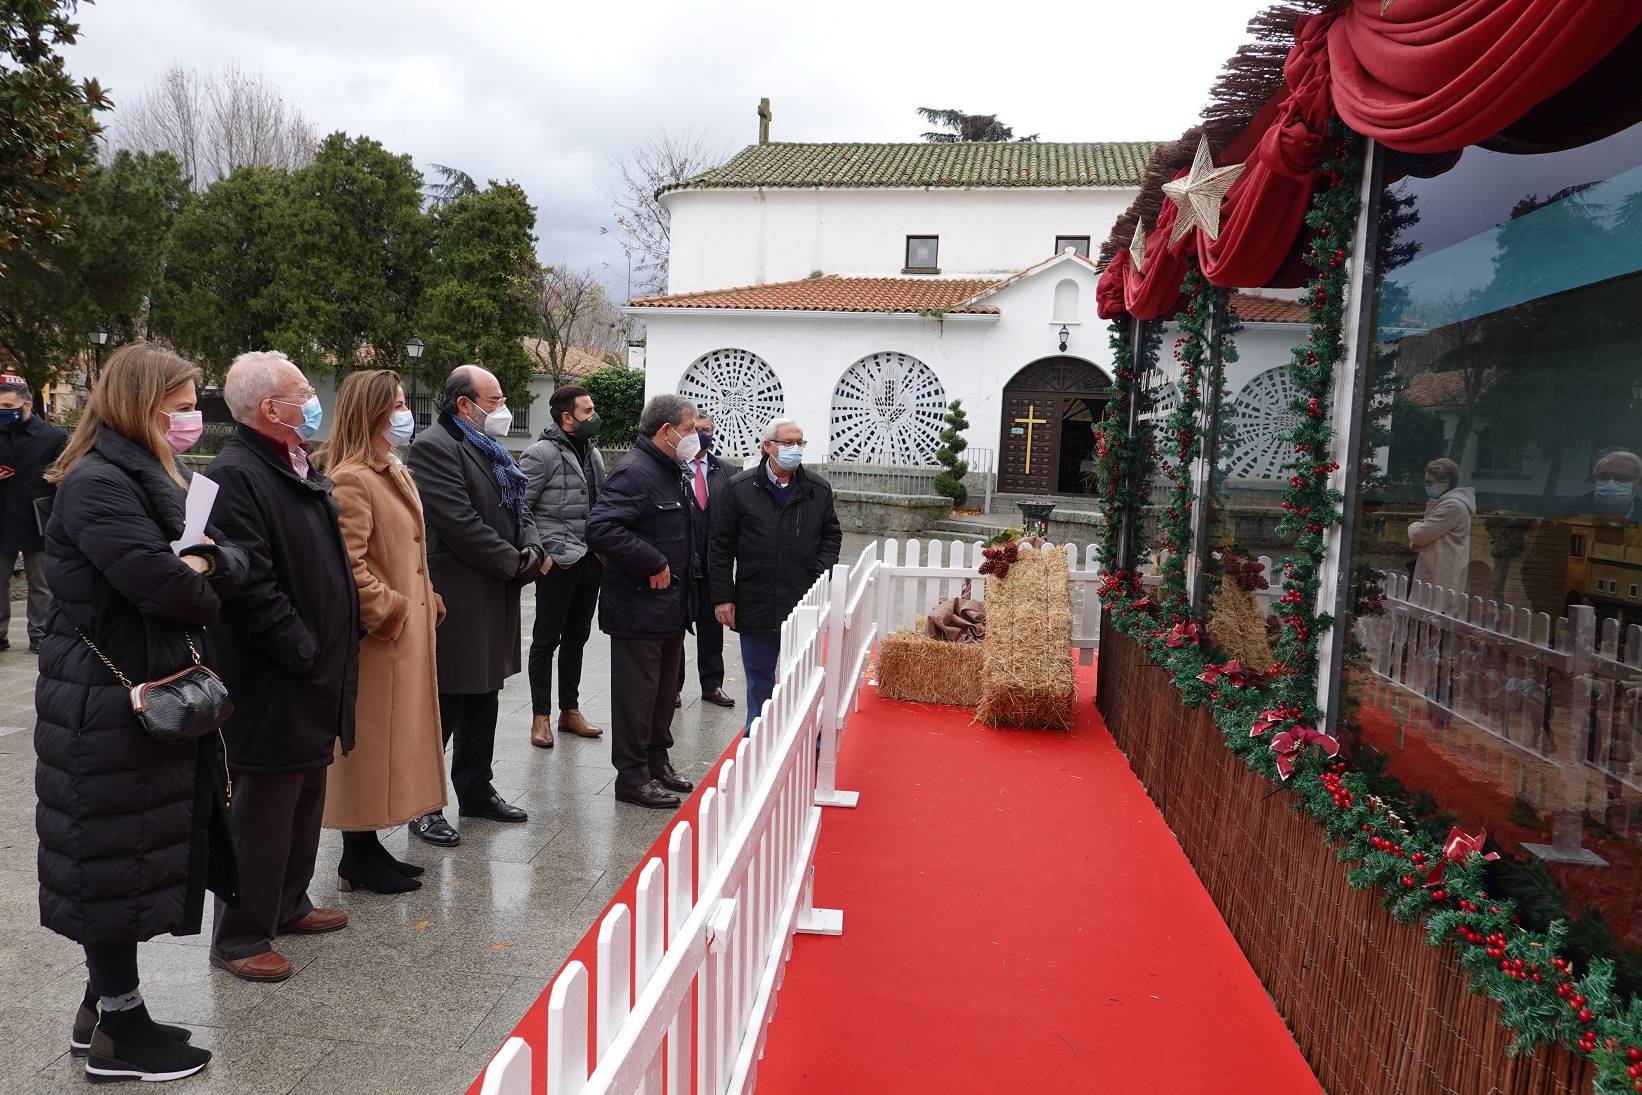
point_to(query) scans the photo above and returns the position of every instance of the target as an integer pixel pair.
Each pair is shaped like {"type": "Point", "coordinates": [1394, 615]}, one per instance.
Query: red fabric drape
{"type": "Point", "coordinates": [1427, 76]}
{"type": "Point", "coordinates": [1437, 75]}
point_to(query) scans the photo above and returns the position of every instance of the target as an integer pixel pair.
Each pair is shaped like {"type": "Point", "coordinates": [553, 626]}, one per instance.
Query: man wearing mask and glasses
{"type": "Point", "coordinates": [564, 474]}
{"type": "Point", "coordinates": [1614, 478]}
{"type": "Point", "coordinates": [483, 549]}
{"type": "Point", "coordinates": [774, 532]}
{"type": "Point", "coordinates": [28, 445]}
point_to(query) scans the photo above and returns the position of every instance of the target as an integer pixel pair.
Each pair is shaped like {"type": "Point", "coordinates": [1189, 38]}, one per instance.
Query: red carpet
{"type": "Point", "coordinates": [1017, 918]}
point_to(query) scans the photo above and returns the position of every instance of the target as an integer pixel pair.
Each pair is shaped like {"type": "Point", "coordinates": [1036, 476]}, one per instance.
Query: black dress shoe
{"type": "Point", "coordinates": [719, 697]}
{"type": "Point", "coordinates": [494, 809]}
{"type": "Point", "coordinates": [650, 795]}
{"type": "Point", "coordinates": [434, 829]}
{"type": "Point", "coordinates": [669, 778]}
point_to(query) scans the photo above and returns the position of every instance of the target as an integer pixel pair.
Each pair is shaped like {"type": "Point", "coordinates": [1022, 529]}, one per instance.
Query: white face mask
{"type": "Point", "coordinates": [498, 422]}
{"type": "Point", "coordinates": [689, 445]}
{"type": "Point", "coordinates": [401, 427]}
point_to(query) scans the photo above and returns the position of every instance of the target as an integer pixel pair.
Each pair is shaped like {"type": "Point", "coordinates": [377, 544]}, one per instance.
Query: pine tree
{"type": "Point", "coordinates": [950, 480]}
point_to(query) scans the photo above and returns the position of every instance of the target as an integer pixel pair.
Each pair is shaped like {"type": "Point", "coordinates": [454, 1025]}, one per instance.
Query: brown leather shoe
{"type": "Point", "coordinates": [268, 966]}
{"type": "Point", "coordinates": [541, 731]}
{"type": "Point", "coordinates": [571, 722]}
{"type": "Point", "coordinates": [317, 922]}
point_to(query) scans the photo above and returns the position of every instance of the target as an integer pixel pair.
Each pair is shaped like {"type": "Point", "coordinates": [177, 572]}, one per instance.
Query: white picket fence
{"type": "Point", "coordinates": [1550, 710]}
{"type": "Point", "coordinates": [684, 983]}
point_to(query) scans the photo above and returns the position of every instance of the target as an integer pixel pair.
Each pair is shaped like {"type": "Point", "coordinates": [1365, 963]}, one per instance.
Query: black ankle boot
{"type": "Point", "coordinates": [365, 866]}
{"type": "Point", "coordinates": [85, 1021]}
{"type": "Point", "coordinates": [128, 1045]}
{"type": "Point", "coordinates": [409, 870]}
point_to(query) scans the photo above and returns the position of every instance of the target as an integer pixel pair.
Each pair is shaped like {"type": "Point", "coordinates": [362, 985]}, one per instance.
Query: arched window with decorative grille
{"type": "Point", "coordinates": [742, 393]}
{"type": "Point", "coordinates": [887, 409]}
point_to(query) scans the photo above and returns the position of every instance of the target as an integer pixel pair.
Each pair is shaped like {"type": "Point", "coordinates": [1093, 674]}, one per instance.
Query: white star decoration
{"type": "Point", "coordinates": [1197, 197]}
{"type": "Point", "coordinates": [1137, 246]}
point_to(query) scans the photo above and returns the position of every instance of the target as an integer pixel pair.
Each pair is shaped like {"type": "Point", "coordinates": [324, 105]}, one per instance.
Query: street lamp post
{"type": "Point", "coordinates": [98, 339]}
{"type": "Point", "coordinates": [414, 348]}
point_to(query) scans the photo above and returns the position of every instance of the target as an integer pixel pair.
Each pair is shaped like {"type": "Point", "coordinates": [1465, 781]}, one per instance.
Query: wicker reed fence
{"type": "Point", "coordinates": [1375, 1008]}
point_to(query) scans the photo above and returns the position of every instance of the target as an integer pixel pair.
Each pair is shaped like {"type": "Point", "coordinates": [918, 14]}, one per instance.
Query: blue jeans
{"type": "Point", "coordinates": [759, 651]}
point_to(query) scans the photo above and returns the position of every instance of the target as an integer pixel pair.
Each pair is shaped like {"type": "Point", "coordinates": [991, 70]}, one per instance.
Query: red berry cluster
{"type": "Point", "coordinates": [997, 560]}
{"type": "Point", "coordinates": [1335, 785]}
{"type": "Point", "coordinates": [1634, 1069]}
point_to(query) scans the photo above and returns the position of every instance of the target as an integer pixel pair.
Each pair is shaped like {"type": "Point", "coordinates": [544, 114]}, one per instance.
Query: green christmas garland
{"type": "Point", "coordinates": [1270, 720]}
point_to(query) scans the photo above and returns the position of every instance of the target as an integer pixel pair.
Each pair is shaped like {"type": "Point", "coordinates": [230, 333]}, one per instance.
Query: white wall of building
{"type": "Point", "coordinates": [728, 237]}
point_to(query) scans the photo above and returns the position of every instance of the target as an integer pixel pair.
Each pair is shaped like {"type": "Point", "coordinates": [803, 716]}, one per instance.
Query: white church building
{"type": "Point", "coordinates": [858, 288]}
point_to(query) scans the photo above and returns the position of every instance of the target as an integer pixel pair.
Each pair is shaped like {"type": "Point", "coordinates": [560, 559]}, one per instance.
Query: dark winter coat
{"type": "Point", "coordinates": [778, 551]}
{"type": "Point", "coordinates": [132, 832]}
{"type": "Point", "coordinates": [474, 543]}
{"type": "Point", "coordinates": [558, 491]}
{"type": "Point", "coordinates": [640, 524]}
{"type": "Point", "coordinates": [290, 634]}
{"type": "Point", "coordinates": [28, 449]}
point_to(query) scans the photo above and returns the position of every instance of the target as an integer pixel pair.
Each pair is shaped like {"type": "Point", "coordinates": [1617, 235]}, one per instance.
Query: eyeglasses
{"type": "Point", "coordinates": [799, 444]}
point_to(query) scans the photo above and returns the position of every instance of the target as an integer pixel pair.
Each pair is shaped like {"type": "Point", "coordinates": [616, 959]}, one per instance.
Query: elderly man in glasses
{"type": "Point", "coordinates": [773, 533]}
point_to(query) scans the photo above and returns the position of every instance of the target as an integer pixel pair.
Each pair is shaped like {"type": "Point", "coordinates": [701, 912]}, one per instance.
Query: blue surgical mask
{"type": "Point", "coordinates": [313, 414]}
{"type": "Point", "coordinates": [10, 416]}
{"type": "Point", "coordinates": [788, 457]}
{"type": "Point", "coordinates": [1433, 491]}
{"type": "Point", "coordinates": [401, 428]}
{"type": "Point", "coordinates": [1612, 496]}
{"type": "Point", "coordinates": [706, 441]}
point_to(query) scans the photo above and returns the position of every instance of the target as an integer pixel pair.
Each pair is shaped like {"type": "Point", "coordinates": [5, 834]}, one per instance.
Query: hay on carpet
{"type": "Point", "coordinates": [914, 667]}
{"type": "Point", "coordinates": [1028, 677]}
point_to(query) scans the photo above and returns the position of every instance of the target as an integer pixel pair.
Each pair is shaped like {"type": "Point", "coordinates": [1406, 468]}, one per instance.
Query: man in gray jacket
{"type": "Point", "coordinates": [564, 474]}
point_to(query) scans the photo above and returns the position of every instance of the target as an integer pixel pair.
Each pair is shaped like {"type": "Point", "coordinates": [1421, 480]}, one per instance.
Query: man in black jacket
{"type": "Point", "coordinates": [290, 651]}
{"type": "Point", "coordinates": [708, 476]}
{"type": "Point", "coordinates": [641, 525]}
{"type": "Point", "coordinates": [777, 527]}
{"type": "Point", "coordinates": [28, 446]}
{"type": "Point", "coordinates": [483, 549]}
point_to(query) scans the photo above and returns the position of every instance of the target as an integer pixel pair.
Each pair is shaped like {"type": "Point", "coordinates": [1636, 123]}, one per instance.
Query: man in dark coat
{"type": "Point", "coordinates": [777, 528]}
{"type": "Point", "coordinates": [28, 446]}
{"type": "Point", "coordinates": [709, 477]}
{"type": "Point", "coordinates": [290, 641]}
{"type": "Point", "coordinates": [641, 525]}
{"type": "Point", "coordinates": [482, 550]}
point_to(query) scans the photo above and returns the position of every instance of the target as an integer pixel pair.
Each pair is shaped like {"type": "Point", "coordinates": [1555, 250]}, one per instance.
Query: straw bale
{"type": "Point", "coordinates": [912, 666]}
{"type": "Point", "coordinates": [1027, 678]}
{"type": "Point", "coordinates": [1235, 623]}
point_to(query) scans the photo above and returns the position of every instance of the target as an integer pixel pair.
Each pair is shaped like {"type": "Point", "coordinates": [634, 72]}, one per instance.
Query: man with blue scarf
{"type": "Point", "coordinates": [483, 549]}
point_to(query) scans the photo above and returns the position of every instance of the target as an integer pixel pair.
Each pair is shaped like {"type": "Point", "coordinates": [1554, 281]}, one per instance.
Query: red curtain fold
{"type": "Point", "coordinates": [1436, 75]}
{"type": "Point", "coordinates": [1423, 76]}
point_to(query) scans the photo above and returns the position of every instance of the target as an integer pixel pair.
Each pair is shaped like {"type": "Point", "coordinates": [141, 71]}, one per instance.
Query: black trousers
{"type": "Point", "coordinates": [566, 599]}
{"type": "Point", "coordinates": [470, 721]}
{"type": "Point", "coordinates": [643, 673]}
{"type": "Point", "coordinates": [111, 968]}
{"type": "Point", "coordinates": [275, 822]}
{"type": "Point", "coordinates": [709, 652]}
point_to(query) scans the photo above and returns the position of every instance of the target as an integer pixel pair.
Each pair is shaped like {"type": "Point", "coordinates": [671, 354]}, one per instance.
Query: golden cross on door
{"type": "Point", "coordinates": [1029, 421]}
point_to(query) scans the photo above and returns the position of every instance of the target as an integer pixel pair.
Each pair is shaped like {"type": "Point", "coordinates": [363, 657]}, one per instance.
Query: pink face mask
{"type": "Point", "coordinates": [185, 429]}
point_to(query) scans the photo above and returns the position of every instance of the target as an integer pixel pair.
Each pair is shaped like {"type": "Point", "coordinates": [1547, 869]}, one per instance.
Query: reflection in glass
{"type": "Point", "coordinates": [1494, 662]}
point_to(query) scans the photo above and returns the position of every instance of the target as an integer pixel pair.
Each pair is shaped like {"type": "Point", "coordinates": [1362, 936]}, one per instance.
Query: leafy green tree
{"type": "Point", "coordinates": [221, 293]}
{"type": "Point", "coordinates": [949, 481]}
{"type": "Point", "coordinates": [482, 285]}
{"type": "Point", "coordinates": [101, 273]}
{"type": "Point", "coordinates": [957, 126]}
{"type": "Point", "coordinates": [355, 245]}
{"type": "Point", "coordinates": [618, 393]}
{"type": "Point", "coordinates": [47, 125]}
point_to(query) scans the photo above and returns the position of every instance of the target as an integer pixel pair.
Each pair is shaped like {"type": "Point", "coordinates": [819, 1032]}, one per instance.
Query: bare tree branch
{"type": "Point", "coordinates": [214, 122]}
{"type": "Point", "coordinates": [573, 314]}
{"type": "Point", "coordinates": [661, 161]}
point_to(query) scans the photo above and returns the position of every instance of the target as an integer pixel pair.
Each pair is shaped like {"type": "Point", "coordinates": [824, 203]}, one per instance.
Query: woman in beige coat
{"type": "Point", "coordinates": [397, 768]}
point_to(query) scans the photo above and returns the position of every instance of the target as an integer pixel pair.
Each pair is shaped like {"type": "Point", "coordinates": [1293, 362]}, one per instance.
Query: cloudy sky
{"type": "Point", "coordinates": [549, 93]}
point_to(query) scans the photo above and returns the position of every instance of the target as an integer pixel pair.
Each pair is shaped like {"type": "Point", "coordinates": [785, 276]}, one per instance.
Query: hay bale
{"type": "Point", "coordinates": [915, 667]}
{"type": "Point", "coordinates": [1235, 623]}
{"type": "Point", "coordinates": [1027, 675]}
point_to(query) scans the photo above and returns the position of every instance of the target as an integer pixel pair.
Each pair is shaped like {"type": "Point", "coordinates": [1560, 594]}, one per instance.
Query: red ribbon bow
{"type": "Point", "coordinates": [1183, 633]}
{"type": "Point", "coordinates": [1455, 849]}
{"type": "Point", "coordinates": [1287, 746]}
{"type": "Point", "coordinates": [1234, 672]}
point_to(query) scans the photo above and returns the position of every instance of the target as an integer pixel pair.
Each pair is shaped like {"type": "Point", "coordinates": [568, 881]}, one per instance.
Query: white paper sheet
{"type": "Point", "coordinates": [202, 494]}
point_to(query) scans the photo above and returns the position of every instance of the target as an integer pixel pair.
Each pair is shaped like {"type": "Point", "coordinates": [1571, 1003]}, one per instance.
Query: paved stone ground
{"type": "Point", "coordinates": [416, 994]}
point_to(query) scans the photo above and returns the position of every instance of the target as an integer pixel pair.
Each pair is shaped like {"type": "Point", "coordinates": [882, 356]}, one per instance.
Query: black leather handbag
{"type": "Point", "coordinates": [188, 704]}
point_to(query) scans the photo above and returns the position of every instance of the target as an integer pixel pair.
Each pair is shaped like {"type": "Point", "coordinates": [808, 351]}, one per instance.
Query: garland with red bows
{"type": "Point", "coordinates": [1271, 719]}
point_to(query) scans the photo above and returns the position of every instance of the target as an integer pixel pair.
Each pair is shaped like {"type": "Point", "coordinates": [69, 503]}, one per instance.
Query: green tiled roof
{"type": "Point", "coordinates": [1026, 163]}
